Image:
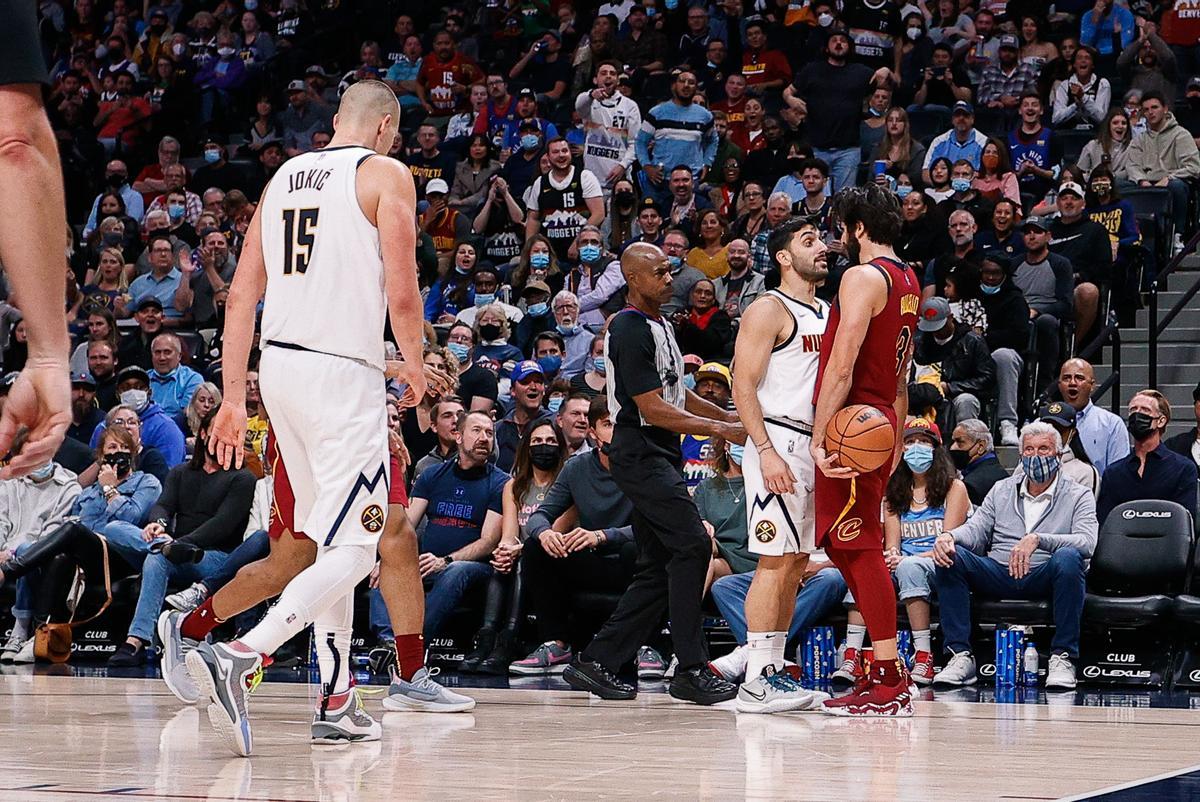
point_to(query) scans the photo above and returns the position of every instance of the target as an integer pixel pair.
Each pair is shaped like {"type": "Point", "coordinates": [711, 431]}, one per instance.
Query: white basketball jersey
{"type": "Point", "coordinates": [787, 387]}
{"type": "Point", "coordinates": [325, 288]}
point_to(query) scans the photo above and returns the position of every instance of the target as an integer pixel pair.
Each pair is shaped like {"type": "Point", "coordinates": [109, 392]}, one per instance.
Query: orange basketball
{"type": "Point", "coordinates": [862, 436]}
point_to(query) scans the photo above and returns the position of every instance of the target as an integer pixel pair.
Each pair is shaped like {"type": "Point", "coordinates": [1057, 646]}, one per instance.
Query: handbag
{"type": "Point", "coordinates": [52, 642]}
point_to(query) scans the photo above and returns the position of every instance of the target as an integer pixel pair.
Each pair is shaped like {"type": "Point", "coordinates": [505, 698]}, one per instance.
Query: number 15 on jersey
{"type": "Point", "coordinates": [299, 234]}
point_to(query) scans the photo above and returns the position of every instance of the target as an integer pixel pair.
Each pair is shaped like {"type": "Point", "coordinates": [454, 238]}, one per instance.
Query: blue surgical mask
{"type": "Point", "coordinates": [675, 261]}
{"type": "Point", "coordinates": [736, 453]}
{"type": "Point", "coordinates": [43, 473]}
{"type": "Point", "coordinates": [530, 141]}
{"type": "Point", "coordinates": [537, 310]}
{"type": "Point", "coordinates": [960, 184]}
{"type": "Point", "coordinates": [554, 403]}
{"type": "Point", "coordinates": [988, 289]}
{"type": "Point", "coordinates": [550, 364]}
{"type": "Point", "coordinates": [567, 331]}
{"type": "Point", "coordinates": [460, 351]}
{"type": "Point", "coordinates": [485, 298]}
{"type": "Point", "coordinates": [1040, 468]}
{"type": "Point", "coordinates": [600, 365]}
{"type": "Point", "coordinates": [212, 156]}
{"type": "Point", "coordinates": [175, 211]}
{"type": "Point", "coordinates": [251, 5]}
{"type": "Point", "coordinates": [539, 260]}
{"type": "Point", "coordinates": [918, 456]}
{"type": "Point", "coordinates": [903, 191]}
{"type": "Point", "coordinates": [589, 253]}
{"type": "Point", "coordinates": [689, 381]}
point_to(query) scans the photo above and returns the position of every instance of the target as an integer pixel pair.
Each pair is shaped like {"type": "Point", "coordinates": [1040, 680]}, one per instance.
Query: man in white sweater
{"type": "Point", "coordinates": [611, 122]}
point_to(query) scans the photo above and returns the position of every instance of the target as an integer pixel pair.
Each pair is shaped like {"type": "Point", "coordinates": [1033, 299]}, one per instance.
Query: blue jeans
{"type": "Point", "coordinates": [252, 549]}
{"type": "Point", "coordinates": [843, 166]}
{"type": "Point", "coordinates": [381, 622]}
{"type": "Point", "coordinates": [1061, 579]}
{"type": "Point", "coordinates": [157, 573]}
{"type": "Point", "coordinates": [23, 605]}
{"type": "Point", "coordinates": [818, 597]}
{"type": "Point", "coordinates": [126, 540]}
{"type": "Point", "coordinates": [1179, 204]}
{"type": "Point", "coordinates": [444, 590]}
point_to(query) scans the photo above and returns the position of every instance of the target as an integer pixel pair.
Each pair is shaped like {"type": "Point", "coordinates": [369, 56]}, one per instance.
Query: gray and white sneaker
{"type": "Point", "coordinates": [25, 653]}
{"type": "Point", "coordinates": [225, 674]}
{"type": "Point", "coordinates": [1061, 674]}
{"type": "Point", "coordinates": [422, 695]}
{"type": "Point", "coordinates": [188, 599]}
{"type": "Point", "coordinates": [16, 639]}
{"type": "Point", "coordinates": [959, 671]}
{"type": "Point", "coordinates": [776, 692]}
{"type": "Point", "coordinates": [349, 723]}
{"type": "Point", "coordinates": [175, 647]}
{"type": "Point", "coordinates": [650, 663]}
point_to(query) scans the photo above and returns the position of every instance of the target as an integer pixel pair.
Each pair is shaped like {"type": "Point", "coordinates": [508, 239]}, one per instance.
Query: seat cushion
{"type": "Point", "coordinates": [1187, 609]}
{"type": "Point", "coordinates": [1127, 610]}
{"type": "Point", "coordinates": [1013, 611]}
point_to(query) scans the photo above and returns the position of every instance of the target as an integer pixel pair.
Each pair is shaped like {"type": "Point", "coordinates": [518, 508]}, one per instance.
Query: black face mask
{"type": "Point", "coordinates": [489, 331]}
{"type": "Point", "coordinates": [624, 198]}
{"type": "Point", "coordinates": [115, 180]}
{"type": "Point", "coordinates": [960, 458]}
{"type": "Point", "coordinates": [544, 456]}
{"type": "Point", "coordinates": [606, 449]}
{"type": "Point", "coordinates": [1140, 425]}
{"type": "Point", "coordinates": [121, 461]}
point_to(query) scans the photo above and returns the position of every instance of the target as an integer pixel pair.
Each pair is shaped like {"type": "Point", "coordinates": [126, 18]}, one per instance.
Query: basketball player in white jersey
{"type": "Point", "coordinates": [778, 346]}
{"type": "Point", "coordinates": [330, 252]}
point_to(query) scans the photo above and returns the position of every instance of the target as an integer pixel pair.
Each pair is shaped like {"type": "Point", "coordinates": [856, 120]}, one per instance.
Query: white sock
{"type": "Point", "coordinates": [20, 628]}
{"type": "Point", "coordinates": [334, 574]}
{"type": "Point", "coordinates": [921, 640]}
{"type": "Point", "coordinates": [778, 644]}
{"type": "Point", "coordinates": [332, 633]}
{"type": "Point", "coordinates": [855, 634]}
{"type": "Point", "coordinates": [760, 648]}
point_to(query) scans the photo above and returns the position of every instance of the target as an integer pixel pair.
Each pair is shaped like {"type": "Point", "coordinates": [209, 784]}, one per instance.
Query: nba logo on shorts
{"type": "Point", "coordinates": [372, 518]}
{"type": "Point", "coordinates": [848, 529]}
{"type": "Point", "coordinates": [765, 531]}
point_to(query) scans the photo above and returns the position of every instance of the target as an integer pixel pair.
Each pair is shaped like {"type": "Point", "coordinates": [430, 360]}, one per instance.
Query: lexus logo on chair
{"type": "Point", "coordinates": [1129, 515]}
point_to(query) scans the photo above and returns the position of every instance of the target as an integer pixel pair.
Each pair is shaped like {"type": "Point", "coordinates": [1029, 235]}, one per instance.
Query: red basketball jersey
{"type": "Point", "coordinates": [888, 336]}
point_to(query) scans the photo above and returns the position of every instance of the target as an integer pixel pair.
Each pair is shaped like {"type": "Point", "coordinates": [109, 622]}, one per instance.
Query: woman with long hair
{"type": "Point", "coordinates": [721, 502]}
{"type": "Point", "coordinates": [709, 256]}
{"type": "Point", "coordinates": [540, 456]}
{"type": "Point", "coordinates": [591, 381]}
{"type": "Point", "coordinates": [920, 238]}
{"type": "Point", "coordinates": [537, 262]}
{"type": "Point", "coordinates": [898, 149]}
{"type": "Point", "coordinates": [264, 126]}
{"type": "Point", "coordinates": [1110, 146]}
{"type": "Point", "coordinates": [416, 424]}
{"type": "Point", "coordinates": [939, 180]}
{"type": "Point", "coordinates": [453, 292]}
{"type": "Point", "coordinates": [947, 23]}
{"type": "Point", "coordinates": [1035, 49]}
{"type": "Point", "coordinates": [962, 291]}
{"type": "Point", "coordinates": [726, 197]}
{"type": "Point", "coordinates": [996, 179]}
{"type": "Point", "coordinates": [1004, 232]}
{"type": "Point", "coordinates": [109, 290]}
{"type": "Point", "coordinates": [473, 174]}
{"type": "Point", "coordinates": [617, 228]}
{"type": "Point", "coordinates": [753, 201]}
{"type": "Point", "coordinates": [923, 499]}
{"type": "Point", "coordinates": [206, 397]}
{"type": "Point", "coordinates": [101, 325]}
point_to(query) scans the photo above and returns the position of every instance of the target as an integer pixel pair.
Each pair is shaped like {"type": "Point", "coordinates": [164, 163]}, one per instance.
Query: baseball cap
{"type": "Point", "coordinates": [1010, 41]}
{"type": "Point", "coordinates": [1196, 393]}
{"type": "Point", "coordinates": [691, 363]}
{"type": "Point", "coordinates": [963, 107]}
{"type": "Point", "coordinates": [1194, 82]}
{"type": "Point", "coordinates": [649, 203]}
{"type": "Point", "coordinates": [1036, 222]}
{"type": "Point", "coordinates": [316, 69]}
{"type": "Point", "coordinates": [526, 368]}
{"type": "Point", "coordinates": [149, 300]}
{"type": "Point", "coordinates": [437, 185]}
{"type": "Point", "coordinates": [638, 7]}
{"type": "Point", "coordinates": [933, 314]}
{"type": "Point", "coordinates": [715, 371]}
{"type": "Point", "coordinates": [923, 426]}
{"type": "Point", "coordinates": [133, 372]}
{"type": "Point", "coordinates": [1057, 412]}
{"type": "Point", "coordinates": [82, 377]}
{"type": "Point", "coordinates": [297, 85]}
{"type": "Point", "coordinates": [527, 92]}
{"type": "Point", "coordinates": [158, 11]}
{"type": "Point", "coordinates": [529, 124]}
{"type": "Point", "coordinates": [1072, 187]}
{"type": "Point", "coordinates": [536, 286]}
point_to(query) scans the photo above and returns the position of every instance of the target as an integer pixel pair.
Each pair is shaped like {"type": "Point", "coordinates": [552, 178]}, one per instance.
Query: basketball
{"type": "Point", "coordinates": [862, 436]}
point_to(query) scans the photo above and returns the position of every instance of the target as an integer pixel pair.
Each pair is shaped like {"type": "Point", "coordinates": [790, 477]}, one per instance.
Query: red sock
{"type": "Point", "coordinates": [871, 584]}
{"type": "Point", "coordinates": [410, 655]}
{"type": "Point", "coordinates": [199, 622]}
{"type": "Point", "coordinates": [887, 672]}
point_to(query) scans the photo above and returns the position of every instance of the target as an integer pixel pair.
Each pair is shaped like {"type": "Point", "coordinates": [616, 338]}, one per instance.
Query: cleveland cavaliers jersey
{"type": "Point", "coordinates": [786, 390]}
{"type": "Point", "coordinates": [325, 288]}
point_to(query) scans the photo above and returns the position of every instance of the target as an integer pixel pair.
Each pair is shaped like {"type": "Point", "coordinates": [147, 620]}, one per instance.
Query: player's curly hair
{"type": "Point", "coordinates": [878, 209]}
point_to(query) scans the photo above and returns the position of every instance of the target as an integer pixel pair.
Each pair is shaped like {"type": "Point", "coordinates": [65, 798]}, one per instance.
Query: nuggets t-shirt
{"type": "Point", "coordinates": [458, 502]}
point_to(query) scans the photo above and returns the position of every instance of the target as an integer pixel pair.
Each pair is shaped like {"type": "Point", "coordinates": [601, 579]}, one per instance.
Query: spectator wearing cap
{"type": "Point", "coordinates": [1061, 416]}
{"type": "Point", "coordinates": [563, 200]}
{"type": "Point", "coordinates": [1152, 470]}
{"type": "Point", "coordinates": [171, 383]}
{"type": "Point", "coordinates": [1048, 284]}
{"type": "Point", "coordinates": [649, 225]}
{"type": "Point", "coordinates": [161, 283]}
{"type": "Point", "coordinates": [217, 171]}
{"type": "Point", "coordinates": [528, 392]}
{"type": "Point", "coordinates": [1004, 82]}
{"type": "Point", "coordinates": [519, 126]}
{"type": "Point", "coordinates": [973, 453]}
{"type": "Point", "coordinates": [85, 414]}
{"type": "Point", "coordinates": [962, 141]}
{"type": "Point", "coordinates": [270, 158]}
{"type": "Point", "coordinates": [713, 383]}
{"type": "Point", "coordinates": [1165, 155]}
{"type": "Point", "coordinates": [1187, 443]}
{"type": "Point", "coordinates": [675, 132]}
{"type": "Point", "coordinates": [134, 348]}
{"type": "Point", "coordinates": [153, 41]}
{"type": "Point", "coordinates": [430, 162]}
{"type": "Point", "coordinates": [598, 281]}
{"type": "Point", "coordinates": [1086, 245]}
{"type": "Point", "coordinates": [302, 118]}
{"type": "Point", "coordinates": [521, 167]}
{"type": "Point", "coordinates": [968, 374]}
{"type": "Point", "coordinates": [538, 315]}
{"type": "Point", "coordinates": [1082, 100]}
{"type": "Point", "coordinates": [1007, 337]}
{"type": "Point", "coordinates": [157, 429]}
{"type": "Point", "coordinates": [1101, 433]}
{"type": "Point", "coordinates": [544, 68]}
{"type": "Point", "coordinates": [447, 226]}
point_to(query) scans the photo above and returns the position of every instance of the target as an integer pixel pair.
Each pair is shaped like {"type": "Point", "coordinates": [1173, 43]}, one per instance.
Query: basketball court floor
{"type": "Point", "coordinates": [78, 734]}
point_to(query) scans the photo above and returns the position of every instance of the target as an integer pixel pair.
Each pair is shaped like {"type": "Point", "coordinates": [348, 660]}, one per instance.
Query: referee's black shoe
{"type": "Point", "coordinates": [586, 675]}
{"type": "Point", "coordinates": [702, 686]}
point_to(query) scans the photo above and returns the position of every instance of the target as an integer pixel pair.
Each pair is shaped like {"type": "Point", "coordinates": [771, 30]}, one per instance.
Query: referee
{"type": "Point", "coordinates": [651, 408]}
{"type": "Point", "coordinates": [33, 244]}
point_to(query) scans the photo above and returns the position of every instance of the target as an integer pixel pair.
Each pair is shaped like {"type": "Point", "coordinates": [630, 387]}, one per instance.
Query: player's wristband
{"type": "Point", "coordinates": [764, 447]}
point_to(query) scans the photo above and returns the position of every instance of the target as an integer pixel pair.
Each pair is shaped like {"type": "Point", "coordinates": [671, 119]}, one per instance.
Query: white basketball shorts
{"type": "Point", "coordinates": [781, 524]}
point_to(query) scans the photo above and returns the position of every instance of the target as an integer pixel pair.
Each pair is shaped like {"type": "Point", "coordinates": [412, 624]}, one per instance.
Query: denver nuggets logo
{"type": "Point", "coordinates": [765, 531]}
{"type": "Point", "coordinates": [372, 518]}
{"type": "Point", "coordinates": [848, 529]}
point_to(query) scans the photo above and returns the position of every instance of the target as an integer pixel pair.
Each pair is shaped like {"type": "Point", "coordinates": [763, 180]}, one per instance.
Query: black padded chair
{"type": "Point", "coordinates": [922, 123]}
{"type": "Point", "coordinates": [1073, 143]}
{"type": "Point", "coordinates": [1153, 210]}
{"type": "Point", "coordinates": [1187, 604]}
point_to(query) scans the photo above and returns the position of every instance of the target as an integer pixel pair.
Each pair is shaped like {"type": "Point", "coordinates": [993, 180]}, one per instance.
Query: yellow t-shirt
{"type": "Point", "coordinates": [256, 436]}
{"type": "Point", "coordinates": [710, 266]}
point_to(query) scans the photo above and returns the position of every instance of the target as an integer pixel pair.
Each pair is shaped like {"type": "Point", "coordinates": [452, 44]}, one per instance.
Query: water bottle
{"type": "Point", "coordinates": [1029, 663]}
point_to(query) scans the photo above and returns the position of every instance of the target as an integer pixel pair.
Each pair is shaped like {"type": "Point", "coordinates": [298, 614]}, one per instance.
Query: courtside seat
{"type": "Point", "coordinates": [1012, 611]}
{"type": "Point", "coordinates": [1187, 605]}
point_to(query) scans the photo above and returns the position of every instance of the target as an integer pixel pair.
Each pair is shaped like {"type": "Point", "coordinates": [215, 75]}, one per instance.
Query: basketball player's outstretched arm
{"type": "Point", "coordinates": [249, 283]}
{"type": "Point", "coordinates": [33, 244]}
{"type": "Point", "coordinates": [861, 296]}
{"type": "Point", "coordinates": [760, 329]}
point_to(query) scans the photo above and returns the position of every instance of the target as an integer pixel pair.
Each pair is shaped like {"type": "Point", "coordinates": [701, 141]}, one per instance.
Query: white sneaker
{"type": "Point", "coordinates": [421, 694]}
{"type": "Point", "coordinates": [959, 671]}
{"type": "Point", "coordinates": [672, 667]}
{"type": "Point", "coordinates": [25, 654]}
{"type": "Point", "coordinates": [776, 692]}
{"type": "Point", "coordinates": [732, 666]}
{"type": "Point", "coordinates": [350, 723]}
{"type": "Point", "coordinates": [1008, 433]}
{"type": "Point", "coordinates": [1061, 673]}
{"type": "Point", "coordinates": [16, 639]}
{"type": "Point", "coordinates": [188, 599]}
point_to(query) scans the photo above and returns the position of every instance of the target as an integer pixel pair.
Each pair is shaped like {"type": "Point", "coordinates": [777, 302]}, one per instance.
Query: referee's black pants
{"type": "Point", "coordinates": [673, 552]}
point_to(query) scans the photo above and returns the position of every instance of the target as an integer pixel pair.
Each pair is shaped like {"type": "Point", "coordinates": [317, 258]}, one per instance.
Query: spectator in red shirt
{"type": "Point", "coordinates": [734, 104]}
{"type": "Point", "coordinates": [444, 80]}
{"type": "Point", "coordinates": [122, 117]}
{"type": "Point", "coordinates": [766, 70]}
{"type": "Point", "coordinates": [751, 137]}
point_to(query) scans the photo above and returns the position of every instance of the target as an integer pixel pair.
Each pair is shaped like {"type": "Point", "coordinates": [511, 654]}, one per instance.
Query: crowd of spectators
{"type": "Point", "coordinates": [546, 136]}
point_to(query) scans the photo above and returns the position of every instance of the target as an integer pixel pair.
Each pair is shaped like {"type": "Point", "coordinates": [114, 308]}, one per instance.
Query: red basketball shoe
{"type": "Point", "coordinates": [872, 698]}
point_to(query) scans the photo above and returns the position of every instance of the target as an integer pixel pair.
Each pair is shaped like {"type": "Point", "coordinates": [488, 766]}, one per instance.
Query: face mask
{"type": "Point", "coordinates": [554, 404]}
{"type": "Point", "coordinates": [914, 34]}
{"type": "Point", "coordinates": [903, 191]}
{"type": "Point", "coordinates": [137, 399]}
{"type": "Point", "coordinates": [112, 238]}
{"type": "Point", "coordinates": [960, 458]}
{"type": "Point", "coordinates": [874, 112]}
{"type": "Point", "coordinates": [624, 198]}
{"type": "Point", "coordinates": [537, 310]}
{"type": "Point", "coordinates": [484, 298]}
{"type": "Point", "coordinates": [489, 332]}
{"type": "Point", "coordinates": [539, 260]}
{"type": "Point", "coordinates": [960, 184]}
{"type": "Point", "coordinates": [990, 161]}
{"type": "Point", "coordinates": [175, 211]}
{"type": "Point", "coordinates": [460, 351]}
{"type": "Point", "coordinates": [589, 253]}
{"type": "Point", "coordinates": [549, 365]}
{"type": "Point", "coordinates": [43, 473]}
{"type": "Point", "coordinates": [566, 331]}
{"type": "Point", "coordinates": [530, 141]}
{"type": "Point", "coordinates": [543, 455]}
{"type": "Point", "coordinates": [676, 261]}
{"type": "Point", "coordinates": [825, 20]}
{"type": "Point", "coordinates": [918, 457]}
{"type": "Point", "coordinates": [115, 180]}
{"type": "Point", "coordinates": [212, 156]}
{"type": "Point", "coordinates": [1140, 425]}
{"type": "Point", "coordinates": [988, 289]}
{"type": "Point", "coordinates": [1101, 188]}
{"type": "Point", "coordinates": [178, 49]}
{"type": "Point", "coordinates": [225, 52]}
{"type": "Point", "coordinates": [689, 381]}
{"type": "Point", "coordinates": [600, 365]}
{"type": "Point", "coordinates": [736, 453]}
{"type": "Point", "coordinates": [1040, 469]}
{"type": "Point", "coordinates": [121, 461]}
{"type": "Point", "coordinates": [251, 5]}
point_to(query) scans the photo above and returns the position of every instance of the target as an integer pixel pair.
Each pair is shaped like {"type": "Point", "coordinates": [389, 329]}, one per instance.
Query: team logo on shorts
{"type": "Point", "coordinates": [848, 529]}
{"type": "Point", "coordinates": [765, 531]}
{"type": "Point", "coordinates": [372, 518]}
